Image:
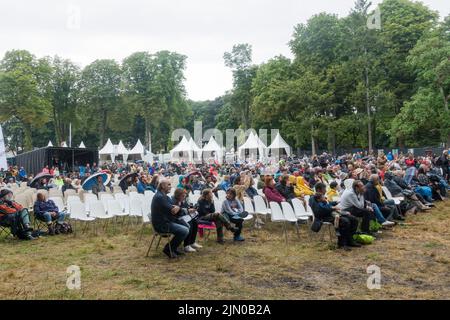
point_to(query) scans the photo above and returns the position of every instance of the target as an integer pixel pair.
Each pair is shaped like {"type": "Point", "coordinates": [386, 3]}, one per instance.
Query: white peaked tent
{"type": "Point", "coordinates": [64, 145]}
{"type": "Point", "coordinates": [107, 151]}
{"type": "Point", "coordinates": [213, 150]}
{"type": "Point", "coordinates": [195, 149]}
{"type": "Point", "coordinates": [121, 150]}
{"type": "Point", "coordinates": [279, 143]}
{"type": "Point", "coordinates": [3, 162]}
{"type": "Point", "coordinates": [181, 151]}
{"type": "Point", "coordinates": [137, 151]}
{"type": "Point", "coordinates": [50, 144]}
{"type": "Point", "coordinates": [254, 145]}
{"type": "Point", "coordinates": [82, 146]}
{"type": "Point", "coordinates": [186, 150]}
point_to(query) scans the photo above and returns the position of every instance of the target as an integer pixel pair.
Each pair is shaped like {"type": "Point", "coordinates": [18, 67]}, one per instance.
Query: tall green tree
{"type": "Point", "coordinates": [239, 60]}
{"type": "Point", "coordinates": [24, 91]}
{"type": "Point", "coordinates": [101, 94]}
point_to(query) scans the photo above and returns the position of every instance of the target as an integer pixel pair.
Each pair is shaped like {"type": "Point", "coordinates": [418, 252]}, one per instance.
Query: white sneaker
{"type": "Point", "coordinates": [388, 224]}
{"type": "Point", "coordinates": [196, 246]}
{"type": "Point", "coordinates": [189, 249]}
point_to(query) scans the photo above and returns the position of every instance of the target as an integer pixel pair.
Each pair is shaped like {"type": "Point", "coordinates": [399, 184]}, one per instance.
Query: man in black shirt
{"type": "Point", "coordinates": [164, 219]}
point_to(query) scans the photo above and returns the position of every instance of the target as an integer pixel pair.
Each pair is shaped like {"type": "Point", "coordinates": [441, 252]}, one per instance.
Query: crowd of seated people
{"type": "Point", "coordinates": [348, 191]}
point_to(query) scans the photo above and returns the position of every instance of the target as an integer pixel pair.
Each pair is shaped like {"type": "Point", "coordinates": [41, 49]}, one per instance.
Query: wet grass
{"type": "Point", "coordinates": [414, 259]}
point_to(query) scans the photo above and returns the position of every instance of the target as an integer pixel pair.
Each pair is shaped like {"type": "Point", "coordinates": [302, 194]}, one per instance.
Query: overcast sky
{"type": "Point", "coordinates": [86, 30]}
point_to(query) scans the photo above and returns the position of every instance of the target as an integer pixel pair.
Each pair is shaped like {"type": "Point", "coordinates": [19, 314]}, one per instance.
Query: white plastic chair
{"type": "Point", "coordinates": [135, 207]}
{"type": "Point", "coordinates": [221, 194]}
{"type": "Point", "coordinates": [148, 193]}
{"type": "Point", "coordinates": [97, 210]}
{"type": "Point", "coordinates": [260, 206]}
{"type": "Point", "coordinates": [397, 200]}
{"type": "Point", "coordinates": [59, 202]}
{"type": "Point", "coordinates": [124, 201]}
{"type": "Point", "coordinates": [89, 198]}
{"type": "Point", "coordinates": [78, 213]}
{"type": "Point", "coordinates": [104, 198]}
{"type": "Point", "coordinates": [300, 211]}
{"type": "Point", "coordinates": [115, 209]}
{"type": "Point", "coordinates": [278, 216]}
{"type": "Point", "coordinates": [289, 215]}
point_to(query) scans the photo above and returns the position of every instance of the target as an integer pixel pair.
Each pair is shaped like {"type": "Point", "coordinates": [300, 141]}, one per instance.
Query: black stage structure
{"type": "Point", "coordinates": [66, 159]}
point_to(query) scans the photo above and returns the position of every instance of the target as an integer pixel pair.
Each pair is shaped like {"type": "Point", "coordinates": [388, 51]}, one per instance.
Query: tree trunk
{"type": "Point", "coordinates": [445, 98]}
{"type": "Point", "coordinates": [369, 120]}
{"type": "Point", "coordinates": [313, 142]}
{"type": "Point", "coordinates": [103, 128]}
{"type": "Point", "coordinates": [148, 140]}
{"type": "Point", "coordinates": [28, 145]}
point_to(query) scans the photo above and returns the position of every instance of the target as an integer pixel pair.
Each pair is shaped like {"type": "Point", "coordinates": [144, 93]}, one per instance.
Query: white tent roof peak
{"type": "Point", "coordinates": [279, 143]}
{"type": "Point", "coordinates": [182, 146]}
{"type": "Point", "coordinates": [212, 145]}
{"type": "Point", "coordinates": [50, 144]}
{"type": "Point", "coordinates": [108, 148]}
{"type": "Point", "coordinates": [193, 145]}
{"type": "Point", "coordinates": [121, 148]}
{"type": "Point", "coordinates": [82, 146]}
{"type": "Point", "coordinates": [138, 148]}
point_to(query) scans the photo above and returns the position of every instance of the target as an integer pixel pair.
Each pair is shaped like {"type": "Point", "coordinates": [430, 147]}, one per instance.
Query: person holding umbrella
{"type": "Point", "coordinates": [99, 186]}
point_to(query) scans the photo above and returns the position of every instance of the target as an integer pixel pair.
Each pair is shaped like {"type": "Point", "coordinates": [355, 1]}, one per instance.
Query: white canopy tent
{"type": "Point", "coordinates": [213, 150]}
{"type": "Point", "coordinates": [82, 146]}
{"type": "Point", "coordinates": [181, 151]}
{"type": "Point", "coordinates": [186, 150]}
{"type": "Point", "coordinates": [255, 147]}
{"type": "Point", "coordinates": [279, 143]}
{"type": "Point", "coordinates": [50, 144]}
{"type": "Point", "coordinates": [196, 151]}
{"type": "Point", "coordinates": [122, 151]}
{"type": "Point", "coordinates": [107, 151]}
{"type": "Point", "coordinates": [138, 151]}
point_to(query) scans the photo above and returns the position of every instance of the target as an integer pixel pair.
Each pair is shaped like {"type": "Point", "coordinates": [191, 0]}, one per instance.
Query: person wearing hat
{"type": "Point", "coordinates": [14, 216]}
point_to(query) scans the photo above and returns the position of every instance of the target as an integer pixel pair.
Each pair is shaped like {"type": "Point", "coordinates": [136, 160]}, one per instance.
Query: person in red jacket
{"type": "Point", "coordinates": [271, 193]}
{"type": "Point", "coordinates": [14, 216]}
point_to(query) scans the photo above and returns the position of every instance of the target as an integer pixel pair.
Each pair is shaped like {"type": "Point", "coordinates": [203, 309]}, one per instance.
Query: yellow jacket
{"type": "Point", "coordinates": [303, 188]}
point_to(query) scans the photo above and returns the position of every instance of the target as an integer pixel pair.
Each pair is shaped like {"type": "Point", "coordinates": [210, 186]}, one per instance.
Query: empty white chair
{"type": "Point", "coordinates": [218, 205]}
{"type": "Point", "coordinates": [115, 209]}
{"type": "Point", "coordinates": [124, 201]}
{"type": "Point", "coordinates": [104, 198]}
{"type": "Point", "coordinates": [132, 193]}
{"type": "Point", "coordinates": [300, 211]}
{"type": "Point", "coordinates": [97, 210]}
{"type": "Point", "coordinates": [88, 198]}
{"type": "Point", "coordinates": [78, 212]}
{"type": "Point", "coordinates": [260, 206]}
{"type": "Point", "coordinates": [248, 205]}
{"type": "Point", "coordinates": [135, 207]}
{"type": "Point", "coordinates": [148, 193]}
{"type": "Point", "coordinates": [221, 194]}
{"type": "Point", "coordinates": [288, 212]}
{"type": "Point", "coordinates": [276, 214]}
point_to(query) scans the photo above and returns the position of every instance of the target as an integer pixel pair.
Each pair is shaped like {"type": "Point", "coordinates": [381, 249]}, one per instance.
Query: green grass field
{"type": "Point", "coordinates": [414, 259]}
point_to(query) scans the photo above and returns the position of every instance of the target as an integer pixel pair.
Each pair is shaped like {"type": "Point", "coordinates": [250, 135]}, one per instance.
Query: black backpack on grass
{"type": "Point", "coordinates": [63, 228]}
